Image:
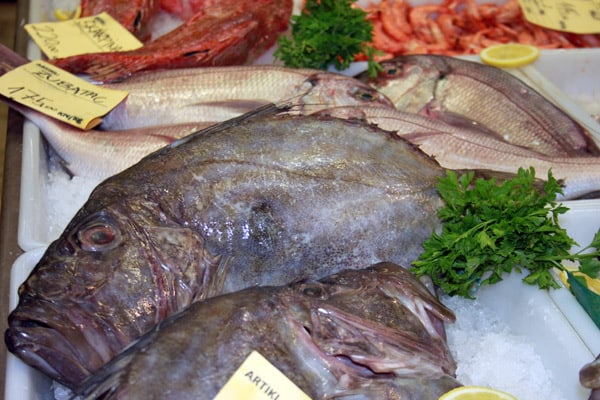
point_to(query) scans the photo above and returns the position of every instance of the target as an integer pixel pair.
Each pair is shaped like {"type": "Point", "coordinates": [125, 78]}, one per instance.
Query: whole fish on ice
{"type": "Point", "coordinates": [470, 148]}
{"type": "Point", "coordinates": [466, 93]}
{"type": "Point", "coordinates": [214, 94]}
{"type": "Point", "coordinates": [374, 333]}
{"type": "Point", "coordinates": [259, 200]}
{"type": "Point", "coordinates": [222, 33]}
{"type": "Point", "coordinates": [197, 97]}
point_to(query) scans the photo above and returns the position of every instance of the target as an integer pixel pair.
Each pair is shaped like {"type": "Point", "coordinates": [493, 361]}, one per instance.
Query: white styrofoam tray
{"type": "Point", "coordinates": [560, 331]}
{"type": "Point", "coordinates": [554, 320]}
{"type": "Point", "coordinates": [575, 73]}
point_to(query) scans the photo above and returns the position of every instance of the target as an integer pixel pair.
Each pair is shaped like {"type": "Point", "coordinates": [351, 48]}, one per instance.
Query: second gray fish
{"type": "Point", "coordinates": [374, 333]}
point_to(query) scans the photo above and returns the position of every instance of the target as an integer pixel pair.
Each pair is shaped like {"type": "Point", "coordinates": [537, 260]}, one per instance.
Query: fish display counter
{"type": "Point", "coordinates": [9, 212]}
{"type": "Point", "coordinates": [548, 320]}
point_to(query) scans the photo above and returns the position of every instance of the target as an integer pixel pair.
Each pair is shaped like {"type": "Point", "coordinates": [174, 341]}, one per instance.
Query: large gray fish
{"type": "Point", "coordinates": [254, 201]}
{"type": "Point", "coordinates": [196, 98]}
{"type": "Point", "coordinates": [469, 93]}
{"type": "Point", "coordinates": [374, 333]}
{"type": "Point", "coordinates": [470, 148]}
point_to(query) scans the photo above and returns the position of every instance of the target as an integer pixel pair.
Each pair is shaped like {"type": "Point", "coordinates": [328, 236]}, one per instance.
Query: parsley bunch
{"type": "Point", "coordinates": [490, 229]}
{"type": "Point", "coordinates": [327, 32]}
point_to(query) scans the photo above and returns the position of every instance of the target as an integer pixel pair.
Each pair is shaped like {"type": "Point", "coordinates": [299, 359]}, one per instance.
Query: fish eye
{"type": "Point", "coordinates": [312, 80]}
{"type": "Point", "coordinates": [365, 95]}
{"type": "Point", "coordinates": [99, 236]}
{"type": "Point", "coordinates": [314, 291]}
{"type": "Point", "coordinates": [137, 23]}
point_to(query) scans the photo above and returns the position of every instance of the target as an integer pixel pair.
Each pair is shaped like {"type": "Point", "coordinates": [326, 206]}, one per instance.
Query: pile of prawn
{"type": "Point", "coordinates": [457, 27]}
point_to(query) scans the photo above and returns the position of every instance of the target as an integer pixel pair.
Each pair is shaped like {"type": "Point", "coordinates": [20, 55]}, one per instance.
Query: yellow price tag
{"type": "Point", "coordinates": [59, 94]}
{"type": "Point", "coordinates": [99, 33]}
{"type": "Point", "coordinates": [575, 16]}
{"type": "Point", "coordinates": [258, 379]}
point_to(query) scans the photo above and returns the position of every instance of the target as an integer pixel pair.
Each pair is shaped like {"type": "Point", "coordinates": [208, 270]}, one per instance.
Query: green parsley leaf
{"type": "Point", "coordinates": [490, 229]}
{"type": "Point", "coordinates": [328, 32]}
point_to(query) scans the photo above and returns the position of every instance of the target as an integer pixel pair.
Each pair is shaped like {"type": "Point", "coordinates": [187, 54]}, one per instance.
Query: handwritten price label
{"type": "Point", "coordinates": [258, 379]}
{"type": "Point", "coordinates": [59, 94]}
{"type": "Point", "coordinates": [99, 33]}
{"type": "Point", "coordinates": [576, 16]}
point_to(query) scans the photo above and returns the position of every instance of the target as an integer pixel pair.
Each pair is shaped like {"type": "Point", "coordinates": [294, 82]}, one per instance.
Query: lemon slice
{"type": "Point", "coordinates": [476, 393]}
{"type": "Point", "coordinates": [509, 55]}
{"type": "Point", "coordinates": [64, 15]}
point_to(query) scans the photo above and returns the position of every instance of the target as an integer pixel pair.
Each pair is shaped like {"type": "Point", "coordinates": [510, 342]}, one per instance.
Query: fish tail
{"type": "Point", "coordinates": [77, 64]}
{"type": "Point", "coordinates": [116, 70]}
{"type": "Point", "coordinates": [10, 59]}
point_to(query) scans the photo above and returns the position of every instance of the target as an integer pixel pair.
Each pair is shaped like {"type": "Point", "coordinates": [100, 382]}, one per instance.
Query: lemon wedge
{"type": "Point", "coordinates": [64, 15]}
{"type": "Point", "coordinates": [509, 55]}
{"type": "Point", "coordinates": [476, 393]}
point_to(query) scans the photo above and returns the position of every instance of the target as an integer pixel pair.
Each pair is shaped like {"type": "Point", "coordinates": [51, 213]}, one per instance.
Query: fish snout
{"type": "Point", "coordinates": [59, 340]}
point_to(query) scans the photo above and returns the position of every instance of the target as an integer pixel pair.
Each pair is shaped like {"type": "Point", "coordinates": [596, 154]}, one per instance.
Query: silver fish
{"type": "Point", "coordinates": [468, 93]}
{"type": "Point", "coordinates": [215, 94]}
{"type": "Point", "coordinates": [196, 98]}
{"type": "Point", "coordinates": [96, 154]}
{"type": "Point", "coordinates": [259, 200]}
{"type": "Point", "coordinates": [469, 148]}
{"type": "Point", "coordinates": [220, 93]}
{"type": "Point", "coordinates": [374, 333]}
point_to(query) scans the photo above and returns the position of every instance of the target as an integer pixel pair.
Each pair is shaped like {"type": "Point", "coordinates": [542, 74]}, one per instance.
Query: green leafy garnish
{"type": "Point", "coordinates": [589, 263]}
{"type": "Point", "coordinates": [490, 229]}
{"type": "Point", "coordinates": [327, 32]}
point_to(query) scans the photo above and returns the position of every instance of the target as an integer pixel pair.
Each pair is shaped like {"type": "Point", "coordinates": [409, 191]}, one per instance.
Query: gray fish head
{"type": "Point", "coordinates": [378, 320]}
{"type": "Point", "coordinates": [100, 286]}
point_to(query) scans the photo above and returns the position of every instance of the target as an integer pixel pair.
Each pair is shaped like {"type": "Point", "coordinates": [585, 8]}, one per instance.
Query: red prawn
{"type": "Point", "coordinates": [454, 27]}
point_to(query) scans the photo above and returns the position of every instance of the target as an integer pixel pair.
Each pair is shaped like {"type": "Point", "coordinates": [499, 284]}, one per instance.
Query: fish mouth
{"type": "Point", "coordinates": [64, 343]}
